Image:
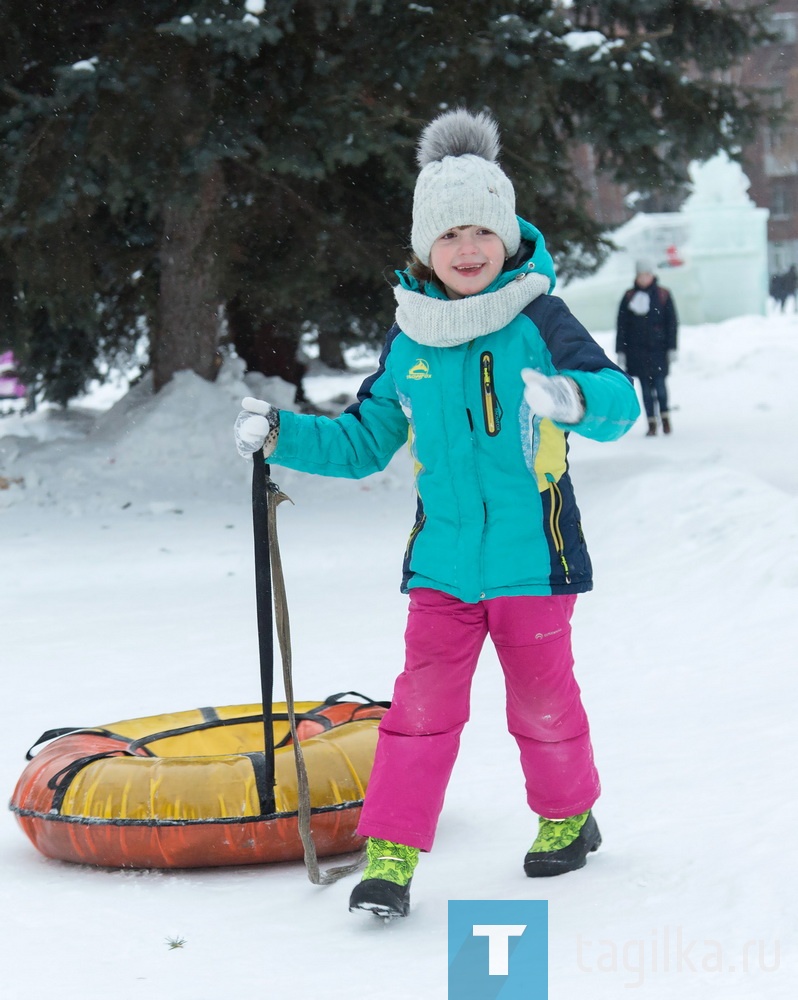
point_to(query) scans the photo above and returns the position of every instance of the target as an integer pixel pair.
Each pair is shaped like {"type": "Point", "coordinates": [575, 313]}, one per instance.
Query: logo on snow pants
{"type": "Point", "coordinates": [498, 949]}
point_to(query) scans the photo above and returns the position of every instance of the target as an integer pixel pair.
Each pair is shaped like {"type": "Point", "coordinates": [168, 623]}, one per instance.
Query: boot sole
{"type": "Point", "coordinates": [380, 910]}
{"type": "Point", "coordinates": [383, 899]}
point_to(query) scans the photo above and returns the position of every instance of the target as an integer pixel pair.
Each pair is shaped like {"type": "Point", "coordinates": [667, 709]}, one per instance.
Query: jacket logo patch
{"type": "Point", "coordinates": [419, 370]}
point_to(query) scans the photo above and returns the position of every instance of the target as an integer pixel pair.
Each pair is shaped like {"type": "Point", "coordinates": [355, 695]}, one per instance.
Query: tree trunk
{"type": "Point", "coordinates": [330, 351]}
{"type": "Point", "coordinates": [187, 331]}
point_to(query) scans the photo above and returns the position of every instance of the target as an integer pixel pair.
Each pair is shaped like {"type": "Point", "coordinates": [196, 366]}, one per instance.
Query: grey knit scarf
{"type": "Point", "coordinates": [449, 322]}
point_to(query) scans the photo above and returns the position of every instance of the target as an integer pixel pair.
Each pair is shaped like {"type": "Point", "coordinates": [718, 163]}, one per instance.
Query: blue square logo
{"type": "Point", "coordinates": [498, 949]}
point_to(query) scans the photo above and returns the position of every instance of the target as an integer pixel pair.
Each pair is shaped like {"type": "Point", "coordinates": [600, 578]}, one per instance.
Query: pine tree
{"type": "Point", "coordinates": [160, 160]}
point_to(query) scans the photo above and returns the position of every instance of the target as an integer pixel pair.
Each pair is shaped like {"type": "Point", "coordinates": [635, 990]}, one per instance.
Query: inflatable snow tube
{"type": "Point", "coordinates": [182, 790]}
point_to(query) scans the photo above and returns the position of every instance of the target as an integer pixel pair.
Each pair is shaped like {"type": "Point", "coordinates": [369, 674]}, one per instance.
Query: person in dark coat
{"type": "Point", "coordinates": [645, 344]}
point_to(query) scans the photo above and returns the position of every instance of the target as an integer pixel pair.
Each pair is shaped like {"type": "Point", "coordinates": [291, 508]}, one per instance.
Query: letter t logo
{"type": "Point", "coordinates": [517, 964]}
{"type": "Point", "coordinates": [498, 936]}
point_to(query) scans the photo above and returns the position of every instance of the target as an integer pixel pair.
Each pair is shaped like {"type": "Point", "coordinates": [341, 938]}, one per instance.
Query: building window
{"type": "Point", "coordinates": [780, 201]}
{"type": "Point", "coordinates": [785, 25]}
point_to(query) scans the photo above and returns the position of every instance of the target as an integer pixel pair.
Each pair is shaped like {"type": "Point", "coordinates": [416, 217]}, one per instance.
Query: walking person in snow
{"type": "Point", "coordinates": [645, 343]}
{"type": "Point", "coordinates": [486, 373]}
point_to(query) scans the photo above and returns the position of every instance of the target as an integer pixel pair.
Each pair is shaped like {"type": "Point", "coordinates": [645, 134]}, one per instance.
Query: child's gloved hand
{"type": "Point", "coordinates": [554, 396]}
{"type": "Point", "coordinates": [256, 427]}
{"type": "Point", "coordinates": [621, 361]}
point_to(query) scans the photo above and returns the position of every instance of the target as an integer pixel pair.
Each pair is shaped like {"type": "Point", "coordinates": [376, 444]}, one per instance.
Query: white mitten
{"type": "Point", "coordinates": [256, 427]}
{"type": "Point", "coordinates": [621, 361]}
{"type": "Point", "coordinates": [554, 396]}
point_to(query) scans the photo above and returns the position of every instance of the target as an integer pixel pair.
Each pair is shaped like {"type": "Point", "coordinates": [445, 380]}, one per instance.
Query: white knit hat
{"type": "Point", "coordinates": [645, 265]}
{"type": "Point", "coordinates": [460, 183]}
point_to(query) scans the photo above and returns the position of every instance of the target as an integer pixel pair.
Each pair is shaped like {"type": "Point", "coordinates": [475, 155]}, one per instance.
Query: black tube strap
{"type": "Point", "coordinates": [262, 499]}
{"type": "Point", "coordinates": [270, 549]}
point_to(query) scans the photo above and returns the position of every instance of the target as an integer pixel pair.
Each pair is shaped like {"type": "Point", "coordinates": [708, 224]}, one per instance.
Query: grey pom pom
{"type": "Point", "coordinates": [456, 133]}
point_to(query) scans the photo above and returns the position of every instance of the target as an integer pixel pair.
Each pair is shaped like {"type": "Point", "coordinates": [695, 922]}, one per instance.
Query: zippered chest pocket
{"type": "Point", "coordinates": [491, 408]}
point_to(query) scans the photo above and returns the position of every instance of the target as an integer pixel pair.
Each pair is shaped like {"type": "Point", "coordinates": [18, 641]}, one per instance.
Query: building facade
{"type": "Point", "coordinates": [771, 163]}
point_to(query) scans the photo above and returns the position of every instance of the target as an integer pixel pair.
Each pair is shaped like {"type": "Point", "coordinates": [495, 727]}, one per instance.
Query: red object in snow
{"type": "Point", "coordinates": [674, 260]}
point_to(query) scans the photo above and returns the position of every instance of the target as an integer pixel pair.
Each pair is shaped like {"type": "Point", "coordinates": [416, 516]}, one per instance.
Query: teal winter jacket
{"type": "Point", "coordinates": [496, 512]}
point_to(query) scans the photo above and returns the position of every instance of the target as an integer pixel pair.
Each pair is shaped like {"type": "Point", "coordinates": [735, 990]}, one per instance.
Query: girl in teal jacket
{"type": "Point", "coordinates": [485, 374]}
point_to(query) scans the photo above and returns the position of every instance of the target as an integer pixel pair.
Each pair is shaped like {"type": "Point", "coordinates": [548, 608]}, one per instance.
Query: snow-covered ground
{"type": "Point", "coordinates": [127, 590]}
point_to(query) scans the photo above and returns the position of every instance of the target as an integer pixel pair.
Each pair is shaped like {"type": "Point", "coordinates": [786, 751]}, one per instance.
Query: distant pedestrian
{"type": "Point", "coordinates": [784, 286]}
{"type": "Point", "coordinates": [647, 330]}
{"type": "Point", "coordinates": [791, 283]}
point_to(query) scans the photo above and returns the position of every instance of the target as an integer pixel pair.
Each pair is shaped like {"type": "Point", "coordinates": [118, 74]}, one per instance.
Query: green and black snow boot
{"type": "Point", "coordinates": [384, 889]}
{"type": "Point", "coordinates": [562, 845]}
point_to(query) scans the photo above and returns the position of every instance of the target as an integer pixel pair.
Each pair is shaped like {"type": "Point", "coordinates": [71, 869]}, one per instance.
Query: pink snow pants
{"type": "Point", "coordinates": [419, 736]}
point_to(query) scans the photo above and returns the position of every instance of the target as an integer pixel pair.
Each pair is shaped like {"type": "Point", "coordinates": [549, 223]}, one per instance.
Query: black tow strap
{"type": "Point", "coordinates": [270, 590]}
{"type": "Point", "coordinates": [261, 497]}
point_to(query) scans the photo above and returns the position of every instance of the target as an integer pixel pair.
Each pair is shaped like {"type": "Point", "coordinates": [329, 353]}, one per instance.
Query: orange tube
{"type": "Point", "coordinates": [180, 790]}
